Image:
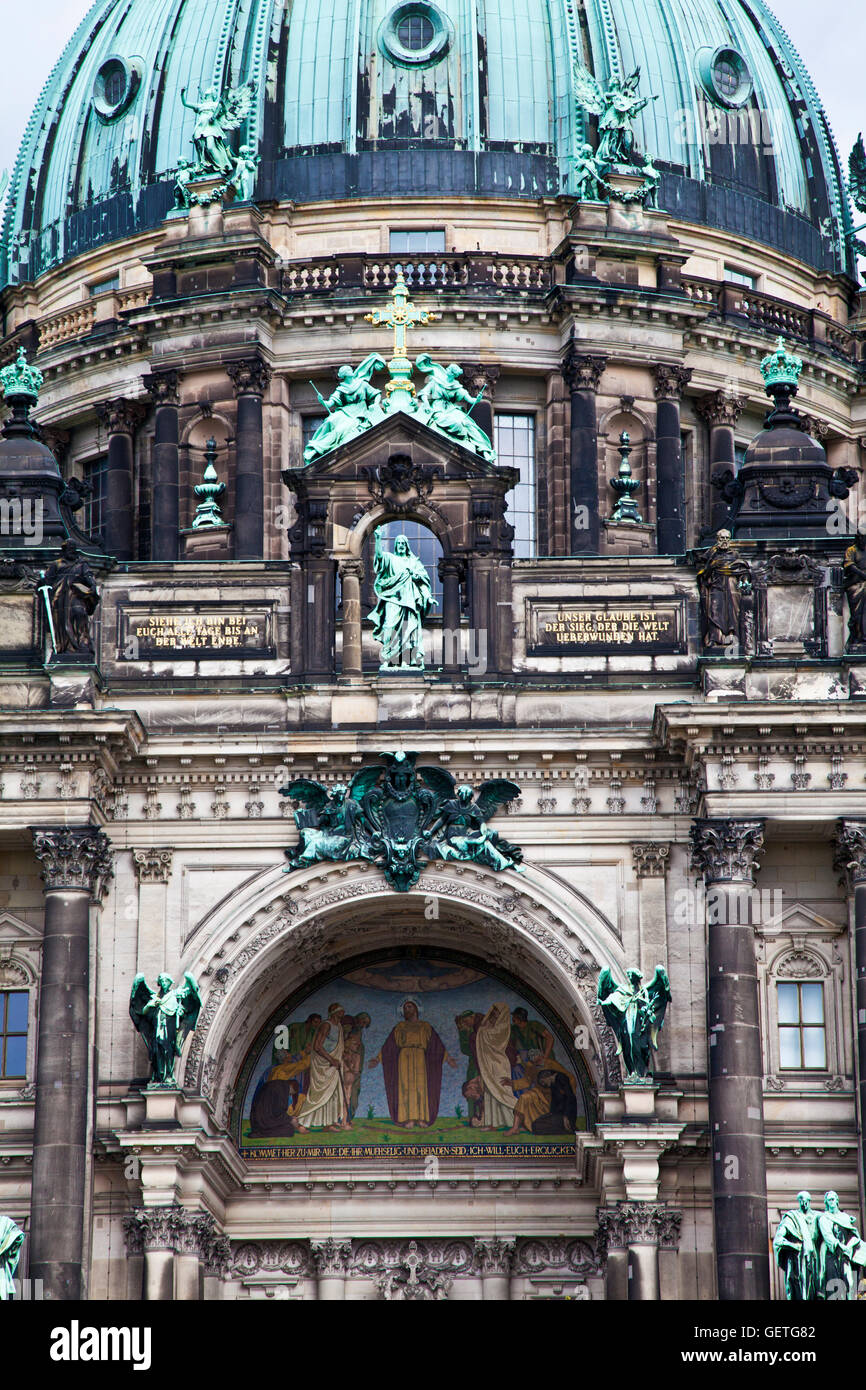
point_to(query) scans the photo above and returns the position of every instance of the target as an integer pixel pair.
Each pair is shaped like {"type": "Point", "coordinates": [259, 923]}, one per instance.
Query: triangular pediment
{"type": "Point", "coordinates": [798, 919]}
{"type": "Point", "coordinates": [13, 929]}
{"type": "Point", "coordinates": [397, 433]}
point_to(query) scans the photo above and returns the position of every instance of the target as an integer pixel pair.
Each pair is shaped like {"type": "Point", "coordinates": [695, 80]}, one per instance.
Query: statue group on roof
{"type": "Point", "coordinates": [616, 107]}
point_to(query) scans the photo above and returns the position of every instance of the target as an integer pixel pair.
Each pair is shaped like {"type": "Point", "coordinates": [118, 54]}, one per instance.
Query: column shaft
{"type": "Point", "coordinates": [583, 375]}
{"type": "Point", "coordinates": [166, 484]}
{"type": "Point", "coordinates": [249, 481]}
{"type": "Point", "coordinates": [350, 574]}
{"type": "Point", "coordinates": [670, 380]}
{"type": "Point", "coordinates": [119, 512]}
{"type": "Point", "coordinates": [643, 1273]}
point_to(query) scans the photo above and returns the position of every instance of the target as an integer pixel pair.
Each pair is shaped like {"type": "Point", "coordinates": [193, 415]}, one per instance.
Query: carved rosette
{"type": "Point", "coordinates": [582, 372]}
{"type": "Point", "coordinates": [152, 865]}
{"type": "Point", "coordinates": [494, 1256]}
{"type": "Point", "coordinates": [726, 851]}
{"type": "Point", "coordinates": [650, 859]}
{"type": "Point", "coordinates": [73, 857]}
{"type": "Point", "coordinates": [670, 380]}
{"type": "Point", "coordinates": [172, 1228]}
{"type": "Point", "coordinates": [163, 387]}
{"type": "Point", "coordinates": [639, 1223]}
{"type": "Point", "coordinates": [332, 1257]}
{"type": "Point", "coordinates": [721, 408]}
{"type": "Point", "coordinates": [850, 856]}
{"type": "Point", "coordinates": [121, 416]}
{"type": "Point", "coordinates": [250, 376]}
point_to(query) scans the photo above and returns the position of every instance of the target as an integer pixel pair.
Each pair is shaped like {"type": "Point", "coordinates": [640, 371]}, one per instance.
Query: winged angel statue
{"type": "Point", "coordinates": [857, 189]}
{"type": "Point", "coordinates": [164, 1017]}
{"type": "Point", "coordinates": [217, 113]}
{"type": "Point", "coordinates": [400, 817]}
{"type": "Point", "coordinates": [616, 108]}
{"type": "Point", "coordinates": [636, 1013]}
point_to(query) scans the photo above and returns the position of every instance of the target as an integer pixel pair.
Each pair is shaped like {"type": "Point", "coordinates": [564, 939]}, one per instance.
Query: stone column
{"type": "Point", "coordinates": [726, 853]}
{"type": "Point", "coordinates": [177, 1244]}
{"type": "Point", "coordinates": [332, 1258]}
{"type": "Point", "coordinates": [75, 864]}
{"type": "Point", "coordinates": [582, 376]}
{"type": "Point", "coordinates": [851, 858]}
{"type": "Point", "coordinates": [494, 1258]}
{"type": "Point", "coordinates": [163, 389]}
{"type": "Point", "coordinates": [351, 575]}
{"type": "Point", "coordinates": [451, 572]}
{"type": "Point", "coordinates": [250, 378]}
{"type": "Point", "coordinates": [670, 380]}
{"type": "Point", "coordinates": [612, 1239]}
{"type": "Point", "coordinates": [121, 418]}
{"type": "Point", "coordinates": [721, 412]}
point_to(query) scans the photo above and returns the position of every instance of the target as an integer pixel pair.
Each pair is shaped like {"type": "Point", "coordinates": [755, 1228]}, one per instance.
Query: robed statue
{"type": "Point", "coordinates": [636, 1013]}
{"type": "Point", "coordinates": [73, 599]}
{"type": "Point", "coordinates": [11, 1241]}
{"type": "Point", "coordinates": [352, 408]}
{"type": "Point", "coordinates": [794, 1246]}
{"type": "Point", "coordinates": [721, 580]}
{"type": "Point", "coordinates": [217, 113]}
{"type": "Point", "coordinates": [854, 572]}
{"type": "Point", "coordinates": [404, 597]}
{"type": "Point", "coordinates": [841, 1252]}
{"type": "Point", "coordinates": [164, 1017]}
{"type": "Point", "coordinates": [445, 403]}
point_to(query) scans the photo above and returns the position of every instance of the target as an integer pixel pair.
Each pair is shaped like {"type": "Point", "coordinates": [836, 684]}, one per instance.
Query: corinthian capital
{"type": "Point", "coordinates": [494, 1256]}
{"type": "Point", "coordinates": [851, 849]}
{"type": "Point", "coordinates": [650, 859]}
{"type": "Point", "coordinates": [638, 1223]}
{"type": "Point", "coordinates": [670, 380]}
{"type": "Point", "coordinates": [152, 865]}
{"type": "Point", "coordinates": [162, 387]}
{"type": "Point", "coordinates": [582, 372]}
{"type": "Point", "coordinates": [721, 408]}
{"type": "Point", "coordinates": [726, 851]}
{"type": "Point", "coordinates": [249, 376]}
{"type": "Point", "coordinates": [170, 1228]}
{"type": "Point", "coordinates": [332, 1257]}
{"type": "Point", "coordinates": [120, 416]}
{"type": "Point", "coordinates": [73, 857]}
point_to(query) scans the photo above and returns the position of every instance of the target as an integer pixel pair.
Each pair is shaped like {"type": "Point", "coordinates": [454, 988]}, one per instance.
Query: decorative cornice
{"type": "Point", "coordinates": [850, 856]}
{"type": "Point", "coordinates": [582, 372]}
{"type": "Point", "coordinates": [162, 387]}
{"type": "Point", "coordinates": [73, 857]}
{"type": "Point", "coordinates": [726, 851]}
{"type": "Point", "coordinates": [152, 865]}
{"type": "Point", "coordinates": [121, 416]}
{"type": "Point", "coordinates": [650, 859]}
{"type": "Point", "coordinates": [720, 408]}
{"type": "Point", "coordinates": [250, 376]}
{"type": "Point", "coordinates": [670, 380]}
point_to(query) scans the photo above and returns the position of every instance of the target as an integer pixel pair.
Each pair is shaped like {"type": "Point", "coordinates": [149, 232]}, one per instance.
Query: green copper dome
{"type": "Point", "coordinates": [357, 98]}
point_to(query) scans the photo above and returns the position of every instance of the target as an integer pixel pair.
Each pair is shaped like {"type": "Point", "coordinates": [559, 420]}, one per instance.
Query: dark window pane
{"type": "Point", "coordinates": [16, 1012]}
{"type": "Point", "coordinates": [415, 32]}
{"type": "Point", "coordinates": [16, 1057]}
{"type": "Point", "coordinates": [789, 1010]}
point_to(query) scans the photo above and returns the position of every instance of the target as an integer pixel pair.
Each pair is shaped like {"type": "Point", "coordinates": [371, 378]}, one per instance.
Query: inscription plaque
{"type": "Point", "coordinates": [606, 629]}
{"type": "Point", "coordinates": [195, 632]}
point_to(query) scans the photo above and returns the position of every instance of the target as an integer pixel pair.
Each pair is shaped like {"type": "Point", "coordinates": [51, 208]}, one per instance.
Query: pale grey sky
{"type": "Point", "coordinates": [830, 35]}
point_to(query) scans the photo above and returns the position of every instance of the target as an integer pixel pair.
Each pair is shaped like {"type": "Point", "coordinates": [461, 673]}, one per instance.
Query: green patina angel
{"type": "Point", "coordinates": [164, 1017]}
{"type": "Point", "coordinates": [404, 597]}
{"type": "Point", "coordinates": [352, 408]}
{"type": "Point", "coordinates": [444, 403]}
{"type": "Point", "coordinates": [218, 113]}
{"type": "Point", "coordinates": [636, 1013]}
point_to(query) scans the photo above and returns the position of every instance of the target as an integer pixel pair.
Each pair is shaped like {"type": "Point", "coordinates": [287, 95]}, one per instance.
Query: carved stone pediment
{"type": "Point", "coordinates": [399, 433]}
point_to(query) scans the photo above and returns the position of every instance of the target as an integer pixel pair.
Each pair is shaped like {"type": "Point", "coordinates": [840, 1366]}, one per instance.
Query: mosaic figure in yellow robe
{"type": "Point", "coordinates": [411, 1058]}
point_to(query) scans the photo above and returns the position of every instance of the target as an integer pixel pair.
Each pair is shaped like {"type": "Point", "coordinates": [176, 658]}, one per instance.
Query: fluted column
{"type": "Point", "coordinates": [163, 389]}
{"type": "Point", "coordinates": [670, 380]}
{"type": "Point", "coordinates": [121, 418]}
{"type": "Point", "coordinates": [177, 1244]}
{"type": "Point", "coordinates": [721, 411]}
{"type": "Point", "coordinates": [726, 854]}
{"type": "Point", "coordinates": [332, 1259]}
{"type": "Point", "coordinates": [582, 375]}
{"type": "Point", "coordinates": [851, 857]}
{"type": "Point", "coordinates": [250, 378]}
{"type": "Point", "coordinates": [351, 576]}
{"type": "Point", "coordinates": [75, 864]}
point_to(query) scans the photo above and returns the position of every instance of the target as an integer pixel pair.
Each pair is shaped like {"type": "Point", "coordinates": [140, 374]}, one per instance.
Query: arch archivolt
{"type": "Point", "coordinates": [273, 940]}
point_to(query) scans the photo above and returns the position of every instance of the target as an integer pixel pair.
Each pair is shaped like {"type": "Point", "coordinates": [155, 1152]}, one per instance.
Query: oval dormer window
{"type": "Point", "coordinates": [725, 77]}
{"type": "Point", "coordinates": [115, 87]}
{"type": "Point", "coordinates": [415, 33]}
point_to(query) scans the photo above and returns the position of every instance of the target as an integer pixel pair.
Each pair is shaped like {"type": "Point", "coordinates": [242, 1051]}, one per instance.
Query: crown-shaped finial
{"type": "Point", "coordinates": [20, 379]}
{"type": "Point", "coordinates": [781, 368]}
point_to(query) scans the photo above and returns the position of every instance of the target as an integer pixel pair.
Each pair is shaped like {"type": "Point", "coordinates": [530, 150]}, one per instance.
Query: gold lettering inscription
{"type": "Point", "coordinates": [607, 627]}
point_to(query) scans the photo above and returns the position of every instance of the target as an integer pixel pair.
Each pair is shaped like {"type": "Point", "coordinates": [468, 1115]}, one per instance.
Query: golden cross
{"type": "Point", "coordinates": [401, 315]}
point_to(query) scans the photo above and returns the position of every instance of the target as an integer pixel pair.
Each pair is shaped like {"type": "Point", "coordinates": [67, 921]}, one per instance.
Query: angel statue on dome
{"type": "Point", "coordinates": [616, 107]}
{"type": "Point", "coordinates": [216, 114]}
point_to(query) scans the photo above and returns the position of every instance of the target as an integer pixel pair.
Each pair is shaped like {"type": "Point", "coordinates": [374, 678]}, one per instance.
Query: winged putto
{"type": "Point", "coordinates": [401, 817]}
{"type": "Point", "coordinates": [636, 1013]}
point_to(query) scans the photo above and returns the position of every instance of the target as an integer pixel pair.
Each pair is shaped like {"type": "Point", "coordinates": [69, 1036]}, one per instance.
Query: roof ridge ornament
{"type": "Point", "coordinates": [20, 380]}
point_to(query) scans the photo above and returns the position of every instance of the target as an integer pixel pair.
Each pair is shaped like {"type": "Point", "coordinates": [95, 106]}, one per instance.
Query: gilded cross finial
{"type": "Point", "coordinates": [401, 315]}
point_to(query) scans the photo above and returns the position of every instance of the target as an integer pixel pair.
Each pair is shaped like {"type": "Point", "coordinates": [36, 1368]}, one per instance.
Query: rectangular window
{"type": "Point", "coordinates": [514, 438]}
{"type": "Point", "coordinates": [104, 286]}
{"type": "Point", "coordinates": [92, 515]}
{"type": "Point", "coordinates": [309, 425]}
{"type": "Point", "coordinates": [13, 1033]}
{"type": "Point", "coordinates": [802, 1036]}
{"type": "Point", "coordinates": [416, 243]}
{"type": "Point", "coordinates": [740, 277]}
